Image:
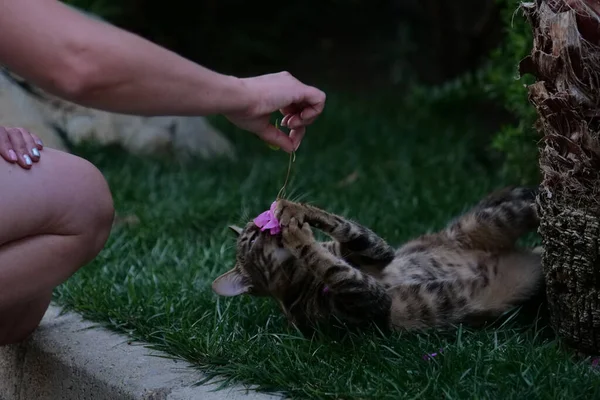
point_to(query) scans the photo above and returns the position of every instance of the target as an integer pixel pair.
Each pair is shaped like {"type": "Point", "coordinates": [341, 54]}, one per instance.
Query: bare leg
{"type": "Point", "coordinates": [54, 218]}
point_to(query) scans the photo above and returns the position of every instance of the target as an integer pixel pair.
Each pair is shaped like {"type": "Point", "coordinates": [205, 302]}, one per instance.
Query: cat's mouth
{"type": "Point", "coordinates": [265, 238]}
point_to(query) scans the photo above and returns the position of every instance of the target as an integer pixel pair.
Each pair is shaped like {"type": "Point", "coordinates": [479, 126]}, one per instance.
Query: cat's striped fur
{"type": "Point", "coordinates": [472, 268]}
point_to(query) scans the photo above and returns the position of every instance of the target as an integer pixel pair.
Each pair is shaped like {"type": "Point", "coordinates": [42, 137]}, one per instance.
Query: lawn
{"type": "Point", "coordinates": [400, 170]}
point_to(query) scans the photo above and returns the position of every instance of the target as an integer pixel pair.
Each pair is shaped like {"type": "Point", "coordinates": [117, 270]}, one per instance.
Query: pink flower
{"type": "Point", "coordinates": [267, 220]}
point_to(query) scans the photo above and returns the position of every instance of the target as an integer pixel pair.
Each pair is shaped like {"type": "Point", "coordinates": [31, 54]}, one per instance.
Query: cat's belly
{"type": "Point", "coordinates": [435, 265]}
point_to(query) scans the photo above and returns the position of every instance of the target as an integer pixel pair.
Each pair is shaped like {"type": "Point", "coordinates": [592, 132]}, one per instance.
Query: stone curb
{"type": "Point", "coordinates": [70, 358]}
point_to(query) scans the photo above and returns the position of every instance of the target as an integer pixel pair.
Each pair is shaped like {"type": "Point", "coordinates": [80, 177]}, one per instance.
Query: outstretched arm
{"type": "Point", "coordinates": [98, 65]}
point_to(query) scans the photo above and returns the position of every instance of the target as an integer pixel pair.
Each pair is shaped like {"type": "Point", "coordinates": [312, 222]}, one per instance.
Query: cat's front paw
{"type": "Point", "coordinates": [296, 236]}
{"type": "Point", "coordinates": [286, 210]}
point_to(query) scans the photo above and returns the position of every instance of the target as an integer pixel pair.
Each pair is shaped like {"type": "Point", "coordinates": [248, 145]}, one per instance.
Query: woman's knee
{"type": "Point", "coordinates": [93, 212]}
{"type": "Point", "coordinates": [62, 194]}
{"type": "Point", "coordinates": [79, 203]}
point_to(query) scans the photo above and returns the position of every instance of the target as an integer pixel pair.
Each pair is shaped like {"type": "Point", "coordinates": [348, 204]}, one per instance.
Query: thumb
{"type": "Point", "coordinates": [275, 137]}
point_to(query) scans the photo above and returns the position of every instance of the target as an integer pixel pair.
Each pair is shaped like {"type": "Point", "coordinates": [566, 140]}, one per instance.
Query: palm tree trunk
{"type": "Point", "coordinates": [565, 60]}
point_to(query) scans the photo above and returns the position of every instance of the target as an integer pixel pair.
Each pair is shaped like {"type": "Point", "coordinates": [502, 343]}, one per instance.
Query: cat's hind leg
{"type": "Point", "coordinates": [516, 279]}
{"type": "Point", "coordinates": [497, 222]}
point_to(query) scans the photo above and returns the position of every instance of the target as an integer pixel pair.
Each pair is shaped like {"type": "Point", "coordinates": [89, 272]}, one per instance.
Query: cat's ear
{"type": "Point", "coordinates": [231, 283]}
{"type": "Point", "coordinates": [236, 229]}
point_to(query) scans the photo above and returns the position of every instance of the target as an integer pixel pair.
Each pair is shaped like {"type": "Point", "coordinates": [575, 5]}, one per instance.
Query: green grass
{"type": "Point", "coordinates": [415, 169]}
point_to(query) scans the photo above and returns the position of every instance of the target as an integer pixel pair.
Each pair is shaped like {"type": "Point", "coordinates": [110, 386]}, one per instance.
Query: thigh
{"type": "Point", "coordinates": [54, 218]}
{"type": "Point", "coordinates": [53, 197]}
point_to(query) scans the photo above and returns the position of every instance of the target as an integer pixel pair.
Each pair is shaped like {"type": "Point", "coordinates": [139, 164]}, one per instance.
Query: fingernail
{"type": "Point", "coordinates": [40, 142]}
{"type": "Point", "coordinates": [273, 147]}
{"type": "Point", "coordinates": [35, 152]}
{"type": "Point", "coordinates": [27, 159]}
{"type": "Point", "coordinates": [12, 155]}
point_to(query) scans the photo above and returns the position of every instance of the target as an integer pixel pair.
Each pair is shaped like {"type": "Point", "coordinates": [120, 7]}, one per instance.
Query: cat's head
{"type": "Point", "coordinates": [258, 265]}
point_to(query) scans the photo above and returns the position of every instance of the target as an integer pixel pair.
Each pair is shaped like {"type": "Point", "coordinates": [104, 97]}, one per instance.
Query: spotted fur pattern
{"type": "Point", "coordinates": [469, 269]}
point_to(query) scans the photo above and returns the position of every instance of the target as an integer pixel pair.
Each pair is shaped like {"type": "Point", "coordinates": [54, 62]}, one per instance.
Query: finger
{"type": "Point", "coordinates": [38, 141]}
{"type": "Point", "coordinates": [6, 149]}
{"type": "Point", "coordinates": [309, 105]}
{"type": "Point", "coordinates": [18, 144]}
{"type": "Point", "coordinates": [296, 136]}
{"type": "Point", "coordinates": [30, 145]}
{"type": "Point", "coordinates": [312, 111]}
{"type": "Point", "coordinates": [292, 109]}
{"type": "Point", "coordinates": [277, 138]}
{"type": "Point", "coordinates": [292, 121]}
{"type": "Point", "coordinates": [308, 122]}
{"type": "Point", "coordinates": [296, 122]}
{"type": "Point", "coordinates": [285, 120]}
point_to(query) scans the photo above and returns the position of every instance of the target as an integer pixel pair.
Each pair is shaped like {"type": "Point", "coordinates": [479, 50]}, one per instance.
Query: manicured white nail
{"type": "Point", "coordinates": [27, 159]}
{"type": "Point", "coordinates": [35, 152]}
{"type": "Point", "coordinates": [39, 142]}
{"type": "Point", "coordinates": [12, 155]}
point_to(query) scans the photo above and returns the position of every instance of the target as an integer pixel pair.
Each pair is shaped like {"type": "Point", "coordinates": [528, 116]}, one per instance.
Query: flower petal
{"type": "Point", "coordinates": [262, 219]}
{"type": "Point", "coordinates": [267, 220]}
{"type": "Point", "coordinates": [271, 224]}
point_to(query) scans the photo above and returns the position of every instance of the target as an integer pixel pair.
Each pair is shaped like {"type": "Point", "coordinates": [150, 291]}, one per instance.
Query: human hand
{"type": "Point", "coordinates": [300, 105]}
{"type": "Point", "coordinates": [20, 146]}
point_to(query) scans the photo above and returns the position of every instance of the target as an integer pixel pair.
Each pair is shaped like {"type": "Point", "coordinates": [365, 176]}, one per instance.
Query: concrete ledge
{"type": "Point", "coordinates": [68, 358]}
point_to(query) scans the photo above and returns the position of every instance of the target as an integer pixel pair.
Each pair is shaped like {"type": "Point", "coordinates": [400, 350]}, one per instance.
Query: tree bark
{"type": "Point", "coordinates": [565, 59]}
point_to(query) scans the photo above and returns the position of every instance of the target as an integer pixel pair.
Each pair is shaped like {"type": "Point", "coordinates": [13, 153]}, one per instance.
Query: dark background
{"type": "Point", "coordinates": [349, 44]}
{"type": "Point", "coordinates": [461, 53]}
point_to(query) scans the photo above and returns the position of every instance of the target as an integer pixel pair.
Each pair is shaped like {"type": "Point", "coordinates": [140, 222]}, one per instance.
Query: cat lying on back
{"type": "Point", "coordinates": [472, 268]}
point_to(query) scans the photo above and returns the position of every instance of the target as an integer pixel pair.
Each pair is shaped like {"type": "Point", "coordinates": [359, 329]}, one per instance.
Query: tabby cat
{"type": "Point", "coordinates": [469, 269]}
